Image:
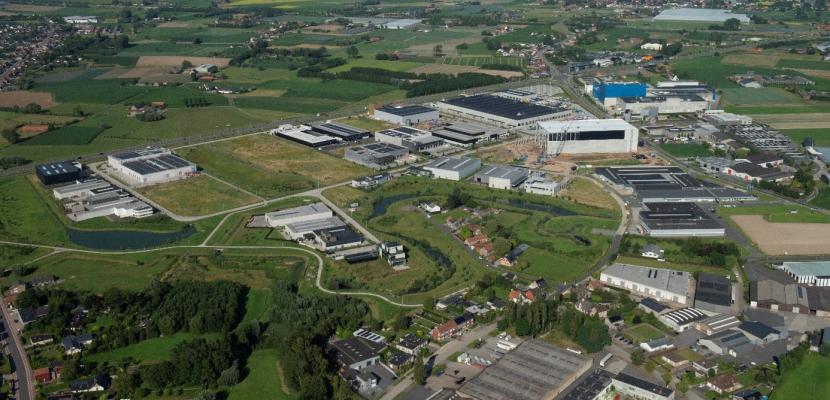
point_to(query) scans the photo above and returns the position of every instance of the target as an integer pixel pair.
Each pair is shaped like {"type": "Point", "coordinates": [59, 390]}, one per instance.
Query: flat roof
{"type": "Point", "coordinates": [339, 130]}
{"type": "Point", "coordinates": [305, 210]}
{"type": "Point", "coordinates": [645, 385]}
{"type": "Point", "coordinates": [580, 125]}
{"type": "Point", "coordinates": [665, 279]}
{"type": "Point", "coordinates": [160, 163]}
{"type": "Point", "coordinates": [713, 289]}
{"type": "Point", "coordinates": [530, 372]}
{"type": "Point", "coordinates": [677, 215]}
{"type": "Point", "coordinates": [699, 14]}
{"type": "Point", "coordinates": [502, 107]}
{"type": "Point", "coordinates": [504, 172]}
{"type": "Point", "coordinates": [149, 151]}
{"type": "Point", "coordinates": [307, 136]}
{"type": "Point", "coordinates": [590, 387]}
{"type": "Point", "coordinates": [807, 268]}
{"type": "Point", "coordinates": [355, 349]}
{"type": "Point", "coordinates": [405, 111]}
{"type": "Point", "coordinates": [58, 168]}
{"type": "Point", "coordinates": [451, 164]}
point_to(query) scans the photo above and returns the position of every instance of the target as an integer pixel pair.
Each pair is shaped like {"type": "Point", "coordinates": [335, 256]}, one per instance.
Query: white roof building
{"type": "Point", "coordinates": [316, 211]}
{"type": "Point", "coordinates": [590, 136]}
{"type": "Point", "coordinates": [813, 273]}
{"type": "Point", "coordinates": [661, 284]}
{"type": "Point", "coordinates": [454, 169]}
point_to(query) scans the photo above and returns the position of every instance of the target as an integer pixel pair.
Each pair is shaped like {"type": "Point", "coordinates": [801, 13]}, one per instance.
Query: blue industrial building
{"type": "Point", "coordinates": [611, 90]}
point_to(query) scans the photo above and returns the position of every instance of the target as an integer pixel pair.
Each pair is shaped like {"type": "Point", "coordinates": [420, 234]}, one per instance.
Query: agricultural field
{"type": "Point", "coordinates": [821, 136]}
{"type": "Point", "coordinates": [746, 97]}
{"type": "Point", "coordinates": [271, 167]}
{"type": "Point", "coordinates": [778, 213]}
{"type": "Point", "coordinates": [815, 122]}
{"type": "Point", "coordinates": [479, 61]}
{"type": "Point", "coordinates": [790, 238]}
{"type": "Point", "coordinates": [21, 98]}
{"type": "Point", "coordinates": [197, 196]}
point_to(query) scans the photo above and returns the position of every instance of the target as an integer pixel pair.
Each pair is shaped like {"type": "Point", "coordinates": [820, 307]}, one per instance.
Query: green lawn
{"type": "Point", "coordinates": [760, 96]}
{"type": "Point", "coordinates": [25, 216]}
{"type": "Point", "coordinates": [822, 199]}
{"type": "Point", "coordinates": [372, 63]}
{"type": "Point", "coordinates": [820, 135]}
{"type": "Point", "coordinates": [644, 332]}
{"type": "Point", "coordinates": [263, 380]}
{"type": "Point", "coordinates": [257, 305]}
{"type": "Point", "coordinates": [809, 377]}
{"type": "Point", "coordinates": [686, 150]}
{"type": "Point", "coordinates": [147, 351]}
{"type": "Point", "coordinates": [197, 196]}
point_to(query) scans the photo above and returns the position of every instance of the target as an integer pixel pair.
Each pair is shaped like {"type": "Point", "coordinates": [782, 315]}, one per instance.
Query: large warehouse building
{"type": "Point", "coordinates": [678, 220]}
{"type": "Point", "coordinates": [812, 273]}
{"type": "Point", "coordinates": [535, 370]}
{"type": "Point", "coordinates": [59, 172]}
{"type": "Point", "coordinates": [501, 176]}
{"type": "Point", "coordinates": [590, 136]}
{"type": "Point", "coordinates": [500, 111]}
{"type": "Point", "coordinates": [454, 169]}
{"type": "Point", "coordinates": [607, 93]}
{"type": "Point", "coordinates": [376, 155]}
{"type": "Point", "coordinates": [416, 140]}
{"type": "Point", "coordinates": [150, 166]}
{"type": "Point", "coordinates": [661, 284]}
{"type": "Point", "coordinates": [406, 115]}
{"type": "Point", "coordinates": [468, 135]}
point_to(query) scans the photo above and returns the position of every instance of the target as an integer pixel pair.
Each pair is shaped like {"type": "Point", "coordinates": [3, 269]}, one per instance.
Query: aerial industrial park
{"type": "Point", "coordinates": [256, 199]}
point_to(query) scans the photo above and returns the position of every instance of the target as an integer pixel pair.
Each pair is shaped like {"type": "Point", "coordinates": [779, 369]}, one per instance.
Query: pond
{"type": "Point", "coordinates": [526, 205]}
{"type": "Point", "coordinates": [126, 239]}
{"type": "Point", "coordinates": [381, 206]}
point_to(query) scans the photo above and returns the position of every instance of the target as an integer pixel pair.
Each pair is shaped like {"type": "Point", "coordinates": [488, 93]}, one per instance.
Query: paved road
{"type": "Point", "coordinates": [442, 355]}
{"type": "Point", "coordinates": [23, 370]}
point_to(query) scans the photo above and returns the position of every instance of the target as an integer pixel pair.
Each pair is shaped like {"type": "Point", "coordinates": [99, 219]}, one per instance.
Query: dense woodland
{"type": "Point", "coordinates": [541, 317]}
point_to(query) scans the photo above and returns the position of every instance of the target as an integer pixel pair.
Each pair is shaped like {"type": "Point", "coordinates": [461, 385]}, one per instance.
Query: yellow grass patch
{"type": "Point", "coordinates": [24, 97]}
{"type": "Point", "coordinates": [784, 238]}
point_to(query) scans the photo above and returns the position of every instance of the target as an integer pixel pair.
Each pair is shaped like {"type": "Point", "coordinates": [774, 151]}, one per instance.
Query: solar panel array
{"type": "Point", "coordinates": [158, 164]}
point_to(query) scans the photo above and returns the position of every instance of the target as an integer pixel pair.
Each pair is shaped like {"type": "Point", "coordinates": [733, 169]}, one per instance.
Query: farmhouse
{"type": "Point", "coordinates": [467, 135]}
{"type": "Point", "coordinates": [376, 155]}
{"type": "Point", "coordinates": [413, 139]}
{"type": "Point", "coordinates": [678, 220]}
{"type": "Point", "coordinates": [500, 111]}
{"type": "Point", "coordinates": [406, 115]}
{"type": "Point", "coordinates": [713, 293]}
{"type": "Point", "coordinates": [303, 134]}
{"type": "Point", "coordinates": [206, 69]}
{"type": "Point", "coordinates": [501, 177]}
{"type": "Point", "coordinates": [534, 370]}
{"type": "Point", "coordinates": [590, 136]}
{"type": "Point", "coordinates": [150, 166]}
{"type": "Point", "coordinates": [60, 172]}
{"type": "Point", "coordinates": [661, 284]}
{"type": "Point", "coordinates": [454, 169]}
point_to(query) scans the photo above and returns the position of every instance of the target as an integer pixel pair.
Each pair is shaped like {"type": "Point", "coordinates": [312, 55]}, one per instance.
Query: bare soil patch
{"type": "Point", "coordinates": [24, 97]}
{"type": "Point", "coordinates": [161, 61]}
{"type": "Point", "coordinates": [784, 238]}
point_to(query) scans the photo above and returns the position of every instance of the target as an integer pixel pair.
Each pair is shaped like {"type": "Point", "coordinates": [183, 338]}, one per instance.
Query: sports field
{"type": "Point", "coordinates": [784, 238]}
{"type": "Point", "coordinates": [197, 196]}
{"type": "Point", "coordinates": [270, 166]}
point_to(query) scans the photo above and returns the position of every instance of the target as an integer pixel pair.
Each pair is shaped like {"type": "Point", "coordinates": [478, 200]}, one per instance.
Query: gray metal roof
{"type": "Point", "coordinates": [664, 279]}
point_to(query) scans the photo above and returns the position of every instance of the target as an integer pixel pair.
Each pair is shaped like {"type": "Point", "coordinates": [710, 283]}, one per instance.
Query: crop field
{"type": "Point", "coordinates": [173, 61]}
{"type": "Point", "coordinates": [270, 166]}
{"type": "Point", "coordinates": [762, 96]}
{"type": "Point", "coordinates": [479, 61]}
{"type": "Point", "coordinates": [820, 135]}
{"type": "Point", "coordinates": [21, 98]}
{"type": "Point", "coordinates": [298, 105]}
{"type": "Point", "coordinates": [24, 216]}
{"type": "Point", "coordinates": [458, 69]}
{"type": "Point", "coordinates": [67, 135]}
{"type": "Point", "coordinates": [342, 90]}
{"type": "Point", "coordinates": [104, 91]}
{"type": "Point", "coordinates": [751, 59]}
{"type": "Point", "coordinates": [197, 196]}
{"type": "Point", "coordinates": [383, 64]}
{"type": "Point", "coordinates": [784, 238]}
{"type": "Point", "coordinates": [805, 64]}
{"type": "Point", "coordinates": [182, 51]}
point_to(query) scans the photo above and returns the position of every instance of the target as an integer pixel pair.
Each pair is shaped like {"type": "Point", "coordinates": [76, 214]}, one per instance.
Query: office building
{"type": "Point", "coordinates": [540, 185]}
{"type": "Point", "coordinates": [406, 115]}
{"type": "Point", "coordinates": [415, 140]}
{"type": "Point", "coordinates": [377, 155]}
{"type": "Point", "coordinates": [454, 169]}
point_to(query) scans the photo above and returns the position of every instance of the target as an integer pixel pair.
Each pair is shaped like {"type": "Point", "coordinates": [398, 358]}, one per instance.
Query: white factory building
{"type": "Point", "coordinates": [150, 166]}
{"type": "Point", "coordinates": [94, 198]}
{"type": "Point", "coordinates": [590, 136]}
{"type": "Point", "coordinates": [812, 273]}
{"type": "Point", "coordinates": [670, 104]}
{"type": "Point", "coordinates": [298, 214]}
{"type": "Point", "coordinates": [501, 177]}
{"type": "Point", "coordinates": [543, 186]}
{"type": "Point", "coordinates": [406, 115]}
{"type": "Point", "coordinates": [660, 284]}
{"type": "Point", "coordinates": [501, 111]}
{"type": "Point", "coordinates": [454, 169]}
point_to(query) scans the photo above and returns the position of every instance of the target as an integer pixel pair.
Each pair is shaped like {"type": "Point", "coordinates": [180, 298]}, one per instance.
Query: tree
{"type": "Point", "coordinates": [638, 357]}
{"type": "Point", "coordinates": [419, 372]}
{"type": "Point", "coordinates": [78, 111]}
{"type": "Point", "coordinates": [732, 24]}
{"type": "Point", "coordinates": [32, 108]}
{"type": "Point", "coordinates": [352, 52]}
{"type": "Point", "coordinates": [230, 376]}
{"type": "Point", "coordinates": [206, 395]}
{"type": "Point", "coordinates": [186, 64]}
{"type": "Point", "coordinates": [438, 50]}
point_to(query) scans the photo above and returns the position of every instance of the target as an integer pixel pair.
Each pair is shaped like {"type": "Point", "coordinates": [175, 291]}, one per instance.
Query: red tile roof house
{"type": "Point", "coordinates": [724, 383]}
{"type": "Point", "coordinates": [444, 331]}
{"type": "Point", "coordinates": [43, 375]}
{"type": "Point", "coordinates": [521, 297]}
{"type": "Point", "coordinates": [472, 241]}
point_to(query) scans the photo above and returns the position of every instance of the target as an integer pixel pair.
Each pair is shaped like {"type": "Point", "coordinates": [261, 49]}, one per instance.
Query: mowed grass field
{"type": "Point", "coordinates": [270, 166]}
{"type": "Point", "coordinates": [264, 380]}
{"type": "Point", "coordinates": [644, 333]}
{"type": "Point", "coordinates": [197, 196]}
{"type": "Point", "coordinates": [150, 350]}
{"type": "Point", "coordinates": [761, 96]}
{"type": "Point", "coordinates": [808, 377]}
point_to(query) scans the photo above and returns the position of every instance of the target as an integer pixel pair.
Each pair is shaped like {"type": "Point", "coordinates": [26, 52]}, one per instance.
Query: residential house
{"type": "Point", "coordinates": [411, 344]}
{"type": "Point", "coordinates": [397, 360]}
{"type": "Point", "coordinates": [703, 366]}
{"type": "Point", "coordinates": [652, 251]}
{"type": "Point", "coordinates": [512, 257]}
{"type": "Point", "coordinates": [496, 304]}
{"type": "Point", "coordinates": [451, 300]}
{"type": "Point", "coordinates": [43, 375]}
{"type": "Point", "coordinates": [723, 383]}
{"type": "Point", "coordinates": [519, 296]}
{"type": "Point", "coordinates": [98, 383]}
{"type": "Point", "coordinates": [75, 344]}
{"type": "Point", "coordinates": [659, 344]}
{"type": "Point", "coordinates": [674, 359]}
{"type": "Point", "coordinates": [749, 394]}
